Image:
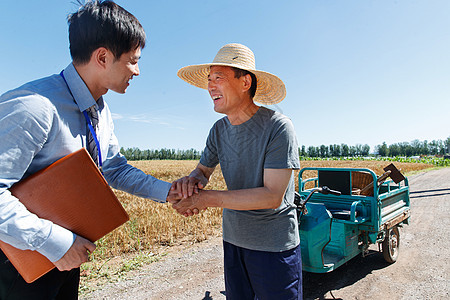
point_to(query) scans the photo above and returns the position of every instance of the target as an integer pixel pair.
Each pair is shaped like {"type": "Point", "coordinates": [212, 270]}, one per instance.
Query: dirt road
{"type": "Point", "coordinates": [421, 272]}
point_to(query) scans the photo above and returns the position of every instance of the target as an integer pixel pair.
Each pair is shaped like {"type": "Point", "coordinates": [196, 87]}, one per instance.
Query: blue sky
{"type": "Point", "coordinates": [356, 72]}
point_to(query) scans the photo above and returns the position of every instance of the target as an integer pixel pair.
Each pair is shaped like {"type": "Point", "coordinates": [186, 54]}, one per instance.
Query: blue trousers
{"type": "Point", "coordinates": [251, 274]}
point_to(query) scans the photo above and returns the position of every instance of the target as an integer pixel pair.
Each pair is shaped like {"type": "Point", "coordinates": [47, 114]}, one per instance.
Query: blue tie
{"type": "Point", "coordinates": [92, 146]}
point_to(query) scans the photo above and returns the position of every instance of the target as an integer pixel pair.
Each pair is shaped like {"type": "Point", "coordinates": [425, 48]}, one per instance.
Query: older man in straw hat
{"type": "Point", "coordinates": [257, 150]}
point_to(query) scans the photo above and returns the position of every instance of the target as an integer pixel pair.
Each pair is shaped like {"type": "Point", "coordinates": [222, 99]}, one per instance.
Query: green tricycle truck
{"type": "Point", "coordinates": [344, 210]}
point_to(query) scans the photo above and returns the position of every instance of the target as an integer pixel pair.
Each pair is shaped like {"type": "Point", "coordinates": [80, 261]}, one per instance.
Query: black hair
{"type": "Point", "coordinates": [103, 24]}
{"type": "Point", "coordinates": [238, 73]}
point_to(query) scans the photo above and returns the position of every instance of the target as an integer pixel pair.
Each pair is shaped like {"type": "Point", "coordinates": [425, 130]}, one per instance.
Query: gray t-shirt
{"type": "Point", "coordinates": [266, 141]}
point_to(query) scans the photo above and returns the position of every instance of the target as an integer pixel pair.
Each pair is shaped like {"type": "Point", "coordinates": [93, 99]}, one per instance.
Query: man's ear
{"type": "Point", "coordinates": [101, 57]}
{"type": "Point", "coordinates": [247, 82]}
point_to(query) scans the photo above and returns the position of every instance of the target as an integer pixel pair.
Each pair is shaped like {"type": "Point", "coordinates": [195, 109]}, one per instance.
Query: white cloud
{"type": "Point", "coordinates": [144, 118]}
{"type": "Point", "coordinates": [116, 116]}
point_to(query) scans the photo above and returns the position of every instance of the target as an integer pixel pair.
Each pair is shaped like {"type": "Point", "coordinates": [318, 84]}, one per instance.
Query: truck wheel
{"type": "Point", "coordinates": [391, 245]}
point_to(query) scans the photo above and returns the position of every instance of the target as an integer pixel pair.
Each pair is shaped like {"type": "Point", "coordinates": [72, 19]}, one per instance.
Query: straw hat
{"type": "Point", "coordinates": [270, 89]}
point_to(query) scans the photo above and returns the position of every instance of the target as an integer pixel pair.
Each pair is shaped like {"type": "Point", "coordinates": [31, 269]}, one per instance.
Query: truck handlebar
{"type": "Point", "coordinates": [326, 190]}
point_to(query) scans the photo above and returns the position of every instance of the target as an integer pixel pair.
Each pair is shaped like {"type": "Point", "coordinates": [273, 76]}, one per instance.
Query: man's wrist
{"type": "Point", "coordinates": [211, 198]}
{"type": "Point", "coordinates": [57, 244]}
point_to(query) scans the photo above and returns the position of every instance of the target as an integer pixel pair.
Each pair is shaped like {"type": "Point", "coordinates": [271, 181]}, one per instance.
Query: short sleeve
{"type": "Point", "coordinates": [210, 156]}
{"type": "Point", "coordinates": [282, 150]}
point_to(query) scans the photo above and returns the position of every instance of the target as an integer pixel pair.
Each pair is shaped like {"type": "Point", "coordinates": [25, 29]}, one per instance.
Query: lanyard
{"type": "Point", "coordinates": [91, 128]}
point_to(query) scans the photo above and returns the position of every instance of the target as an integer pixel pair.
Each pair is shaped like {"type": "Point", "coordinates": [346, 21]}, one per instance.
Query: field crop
{"type": "Point", "coordinates": [155, 228]}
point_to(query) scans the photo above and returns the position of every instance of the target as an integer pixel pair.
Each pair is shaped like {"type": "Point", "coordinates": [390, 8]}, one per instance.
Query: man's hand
{"type": "Point", "coordinates": [187, 186]}
{"type": "Point", "coordinates": [77, 254]}
{"type": "Point", "coordinates": [173, 196]}
{"type": "Point", "coordinates": [191, 205]}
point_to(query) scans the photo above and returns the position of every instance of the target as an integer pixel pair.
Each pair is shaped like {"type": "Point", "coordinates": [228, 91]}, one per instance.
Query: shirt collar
{"type": "Point", "coordinates": [79, 90]}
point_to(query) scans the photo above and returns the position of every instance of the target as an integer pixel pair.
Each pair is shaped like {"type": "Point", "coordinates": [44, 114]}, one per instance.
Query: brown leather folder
{"type": "Point", "coordinates": [73, 194]}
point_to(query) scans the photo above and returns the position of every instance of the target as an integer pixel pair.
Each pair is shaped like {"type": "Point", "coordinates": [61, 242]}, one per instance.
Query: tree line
{"type": "Point", "coordinates": [162, 154]}
{"type": "Point", "coordinates": [415, 148]}
{"type": "Point", "coordinates": [335, 150]}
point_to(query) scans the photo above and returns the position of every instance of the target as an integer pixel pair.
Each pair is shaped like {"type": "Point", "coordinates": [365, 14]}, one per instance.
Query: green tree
{"type": "Point", "coordinates": [365, 150]}
{"type": "Point", "coordinates": [447, 145]}
{"type": "Point", "coordinates": [383, 150]}
{"type": "Point", "coordinates": [323, 151]}
{"type": "Point", "coordinates": [345, 150]}
{"type": "Point", "coordinates": [312, 151]}
{"type": "Point", "coordinates": [394, 150]}
{"type": "Point", "coordinates": [335, 150]}
{"type": "Point", "coordinates": [303, 151]}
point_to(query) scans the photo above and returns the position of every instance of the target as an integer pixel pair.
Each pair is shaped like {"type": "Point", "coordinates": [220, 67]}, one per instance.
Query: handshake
{"type": "Point", "coordinates": [187, 196]}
